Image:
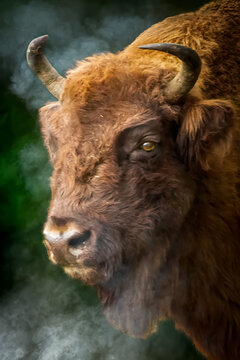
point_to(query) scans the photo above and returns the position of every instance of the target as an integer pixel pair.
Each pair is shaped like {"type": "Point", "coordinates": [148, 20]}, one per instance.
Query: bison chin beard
{"type": "Point", "coordinates": [87, 275]}
{"type": "Point", "coordinates": [136, 299]}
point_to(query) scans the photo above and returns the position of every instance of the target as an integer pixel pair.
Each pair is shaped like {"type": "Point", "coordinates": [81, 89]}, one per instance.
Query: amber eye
{"type": "Point", "coordinates": [148, 146]}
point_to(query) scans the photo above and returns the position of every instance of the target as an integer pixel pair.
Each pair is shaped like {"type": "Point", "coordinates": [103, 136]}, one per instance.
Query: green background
{"type": "Point", "coordinates": [43, 313]}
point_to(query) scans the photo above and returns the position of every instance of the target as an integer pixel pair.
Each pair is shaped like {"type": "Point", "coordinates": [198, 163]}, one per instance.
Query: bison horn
{"type": "Point", "coordinates": [41, 66]}
{"type": "Point", "coordinates": [184, 81]}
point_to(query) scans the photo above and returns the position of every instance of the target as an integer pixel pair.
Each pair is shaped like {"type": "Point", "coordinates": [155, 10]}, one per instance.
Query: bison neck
{"type": "Point", "coordinates": [141, 293]}
{"type": "Point", "coordinates": [196, 283]}
{"type": "Point", "coordinates": [207, 301]}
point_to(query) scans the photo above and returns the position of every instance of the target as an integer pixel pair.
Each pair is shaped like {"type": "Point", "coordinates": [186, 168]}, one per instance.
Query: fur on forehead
{"type": "Point", "coordinates": [110, 78]}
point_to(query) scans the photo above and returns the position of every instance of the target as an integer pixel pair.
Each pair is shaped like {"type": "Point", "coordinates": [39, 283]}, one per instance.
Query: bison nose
{"type": "Point", "coordinates": [70, 239]}
{"type": "Point", "coordinates": [65, 242]}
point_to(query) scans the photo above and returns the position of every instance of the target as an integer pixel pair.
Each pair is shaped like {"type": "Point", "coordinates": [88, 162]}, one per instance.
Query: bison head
{"type": "Point", "coordinates": [129, 147]}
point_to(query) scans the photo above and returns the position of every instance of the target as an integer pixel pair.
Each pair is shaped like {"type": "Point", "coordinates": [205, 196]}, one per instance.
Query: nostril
{"type": "Point", "coordinates": [80, 239]}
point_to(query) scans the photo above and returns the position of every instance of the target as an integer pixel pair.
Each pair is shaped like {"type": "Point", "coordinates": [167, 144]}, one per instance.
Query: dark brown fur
{"type": "Point", "coordinates": [168, 224]}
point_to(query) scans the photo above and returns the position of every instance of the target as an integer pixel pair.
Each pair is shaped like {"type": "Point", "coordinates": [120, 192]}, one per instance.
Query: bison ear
{"type": "Point", "coordinates": [204, 136]}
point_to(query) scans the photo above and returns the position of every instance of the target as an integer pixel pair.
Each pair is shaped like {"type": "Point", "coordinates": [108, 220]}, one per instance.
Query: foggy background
{"type": "Point", "coordinates": [44, 314]}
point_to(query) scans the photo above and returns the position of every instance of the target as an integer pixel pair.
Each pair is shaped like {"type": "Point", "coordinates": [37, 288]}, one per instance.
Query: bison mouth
{"type": "Point", "coordinates": [89, 275]}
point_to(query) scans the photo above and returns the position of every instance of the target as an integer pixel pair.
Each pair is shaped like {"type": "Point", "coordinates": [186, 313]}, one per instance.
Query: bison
{"type": "Point", "coordinates": [145, 187]}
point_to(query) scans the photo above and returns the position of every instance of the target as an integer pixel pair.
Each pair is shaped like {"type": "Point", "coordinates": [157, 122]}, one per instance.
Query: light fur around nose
{"type": "Point", "coordinates": [56, 235]}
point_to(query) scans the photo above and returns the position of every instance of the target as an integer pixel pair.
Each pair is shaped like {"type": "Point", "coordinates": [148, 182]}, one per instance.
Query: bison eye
{"type": "Point", "coordinates": [148, 146]}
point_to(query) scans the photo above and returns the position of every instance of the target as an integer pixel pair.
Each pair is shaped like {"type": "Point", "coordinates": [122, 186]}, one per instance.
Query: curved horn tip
{"type": "Point", "coordinates": [178, 50]}
{"type": "Point", "coordinates": [36, 44]}
{"type": "Point", "coordinates": [185, 80]}
{"type": "Point", "coordinates": [40, 65]}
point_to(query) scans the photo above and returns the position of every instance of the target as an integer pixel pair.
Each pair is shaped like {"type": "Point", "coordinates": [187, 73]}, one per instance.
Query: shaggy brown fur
{"type": "Point", "coordinates": [166, 222]}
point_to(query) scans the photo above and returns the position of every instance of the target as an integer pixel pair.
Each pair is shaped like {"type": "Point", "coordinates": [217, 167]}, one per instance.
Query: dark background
{"type": "Point", "coordinates": [43, 313]}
